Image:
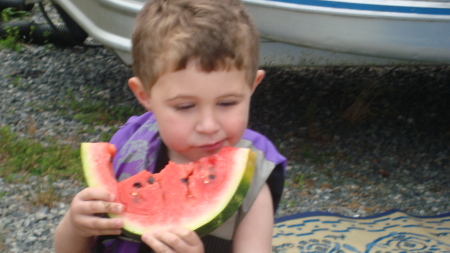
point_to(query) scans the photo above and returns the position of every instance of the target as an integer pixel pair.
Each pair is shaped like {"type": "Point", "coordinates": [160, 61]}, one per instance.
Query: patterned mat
{"type": "Point", "coordinates": [389, 232]}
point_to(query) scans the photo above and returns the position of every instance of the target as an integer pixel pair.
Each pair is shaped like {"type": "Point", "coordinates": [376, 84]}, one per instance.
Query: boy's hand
{"type": "Point", "coordinates": [174, 240]}
{"type": "Point", "coordinates": [85, 209]}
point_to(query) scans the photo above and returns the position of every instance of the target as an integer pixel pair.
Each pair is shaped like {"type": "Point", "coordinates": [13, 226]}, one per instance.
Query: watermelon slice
{"type": "Point", "coordinates": [199, 195]}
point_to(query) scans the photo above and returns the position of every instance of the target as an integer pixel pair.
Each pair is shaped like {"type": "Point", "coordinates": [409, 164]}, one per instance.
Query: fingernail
{"type": "Point", "coordinates": [119, 208]}
{"type": "Point", "coordinates": [118, 223]}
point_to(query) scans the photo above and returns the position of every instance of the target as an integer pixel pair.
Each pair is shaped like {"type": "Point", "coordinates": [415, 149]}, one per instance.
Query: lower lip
{"type": "Point", "coordinates": [214, 146]}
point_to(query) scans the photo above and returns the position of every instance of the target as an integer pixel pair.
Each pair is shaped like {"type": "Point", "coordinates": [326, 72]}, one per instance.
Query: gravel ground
{"type": "Point", "coordinates": [360, 140]}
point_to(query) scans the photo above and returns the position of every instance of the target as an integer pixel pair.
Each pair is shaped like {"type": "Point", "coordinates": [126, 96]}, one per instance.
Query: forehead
{"type": "Point", "coordinates": [192, 80]}
{"type": "Point", "coordinates": [194, 70]}
{"type": "Point", "coordinates": [172, 62]}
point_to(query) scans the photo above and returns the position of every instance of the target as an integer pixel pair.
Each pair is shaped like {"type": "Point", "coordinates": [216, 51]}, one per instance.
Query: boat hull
{"type": "Point", "coordinates": [306, 32]}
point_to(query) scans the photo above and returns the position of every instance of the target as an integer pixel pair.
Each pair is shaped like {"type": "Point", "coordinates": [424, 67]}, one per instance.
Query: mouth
{"type": "Point", "coordinates": [213, 146]}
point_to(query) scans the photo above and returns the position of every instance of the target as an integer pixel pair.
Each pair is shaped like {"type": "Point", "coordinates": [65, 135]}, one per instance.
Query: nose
{"type": "Point", "coordinates": [207, 122]}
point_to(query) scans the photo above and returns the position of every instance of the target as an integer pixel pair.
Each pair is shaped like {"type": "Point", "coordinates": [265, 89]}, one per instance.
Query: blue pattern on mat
{"type": "Point", "coordinates": [389, 232]}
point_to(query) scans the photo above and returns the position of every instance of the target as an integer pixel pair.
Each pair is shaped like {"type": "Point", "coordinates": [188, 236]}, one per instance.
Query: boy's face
{"type": "Point", "coordinates": [198, 113]}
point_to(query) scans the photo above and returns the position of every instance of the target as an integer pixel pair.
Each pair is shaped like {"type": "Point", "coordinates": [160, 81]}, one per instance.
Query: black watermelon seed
{"type": "Point", "coordinates": [151, 180]}
{"type": "Point", "coordinates": [211, 176]}
{"type": "Point", "coordinates": [137, 185]}
{"type": "Point", "coordinates": [184, 180]}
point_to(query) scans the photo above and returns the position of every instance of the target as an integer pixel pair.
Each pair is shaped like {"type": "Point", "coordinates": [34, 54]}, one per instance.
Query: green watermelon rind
{"type": "Point", "coordinates": [235, 201]}
{"type": "Point", "coordinates": [86, 159]}
{"type": "Point", "coordinates": [106, 179]}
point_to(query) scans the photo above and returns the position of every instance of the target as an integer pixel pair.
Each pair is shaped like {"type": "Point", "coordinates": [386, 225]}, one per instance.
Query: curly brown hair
{"type": "Point", "coordinates": [216, 34]}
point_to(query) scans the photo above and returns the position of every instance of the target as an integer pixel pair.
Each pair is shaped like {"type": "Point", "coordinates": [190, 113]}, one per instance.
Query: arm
{"type": "Point", "coordinates": [254, 233]}
{"type": "Point", "coordinates": [76, 231]}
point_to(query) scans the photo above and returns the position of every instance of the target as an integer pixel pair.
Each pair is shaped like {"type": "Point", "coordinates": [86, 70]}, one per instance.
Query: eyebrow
{"type": "Point", "coordinates": [232, 94]}
{"type": "Point", "coordinates": [181, 96]}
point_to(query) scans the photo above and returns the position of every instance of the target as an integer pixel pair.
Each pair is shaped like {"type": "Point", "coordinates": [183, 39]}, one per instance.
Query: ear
{"type": "Point", "coordinates": [139, 92]}
{"type": "Point", "coordinates": [259, 77]}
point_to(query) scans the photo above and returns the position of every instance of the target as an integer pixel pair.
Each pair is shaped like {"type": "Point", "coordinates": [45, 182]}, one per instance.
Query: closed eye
{"type": "Point", "coordinates": [228, 103]}
{"type": "Point", "coordinates": [183, 107]}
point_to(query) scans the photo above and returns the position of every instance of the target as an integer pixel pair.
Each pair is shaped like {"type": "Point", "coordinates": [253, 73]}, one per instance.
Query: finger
{"type": "Point", "coordinates": [97, 207]}
{"type": "Point", "coordinates": [107, 232]}
{"type": "Point", "coordinates": [94, 223]}
{"type": "Point", "coordinates": [92, 193]}
{"type": "Point", "coordinates": [188, 236]}
{"type": "Point", "coordinates": [109, 207]}
{"type": "Point", "coordinates": [157, 245]}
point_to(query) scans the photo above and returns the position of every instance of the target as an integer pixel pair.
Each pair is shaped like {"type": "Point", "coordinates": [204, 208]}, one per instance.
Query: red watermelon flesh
{"type": "Point", "coordinates": [199, 195]}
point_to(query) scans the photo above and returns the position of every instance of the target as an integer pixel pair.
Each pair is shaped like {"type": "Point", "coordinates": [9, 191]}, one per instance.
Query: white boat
{"type": "Point", "coordinates": [306, 32]}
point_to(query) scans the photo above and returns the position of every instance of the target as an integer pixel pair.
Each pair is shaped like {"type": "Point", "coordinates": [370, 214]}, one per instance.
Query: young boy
{"type": "Point", "coordinates": [196, 67]}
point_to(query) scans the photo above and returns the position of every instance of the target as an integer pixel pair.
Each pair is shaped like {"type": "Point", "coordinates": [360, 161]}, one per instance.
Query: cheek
{"type": "Point", "coordinates": [174, 137]}
{"type": "Point", "coordinates": [172, 130]}
{"type": "Point", "coordinates": [235, 128]}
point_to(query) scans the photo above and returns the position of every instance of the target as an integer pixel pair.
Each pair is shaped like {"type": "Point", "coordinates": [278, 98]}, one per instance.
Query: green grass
{"type": "Point", "coordinates": [99, 112]}
{"type": "Point", "coordinates": [10, 14]}
{"type": "Point", "coordinates": [21, 158]}
{"type": "Point", "coordinates": [93, 109]}
{"type": "Point", "coordinates": [18, 82]}
{"type": "Point", "coordinates": [46, 194]}
{"type": "Point", "coordinates": [12, 39]}
{"type": "Point", "coordinates": [299, 180]}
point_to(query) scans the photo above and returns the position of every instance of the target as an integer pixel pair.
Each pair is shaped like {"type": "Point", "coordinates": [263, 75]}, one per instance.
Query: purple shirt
{"type": "Point", "coordinates": [138, 143]}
